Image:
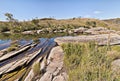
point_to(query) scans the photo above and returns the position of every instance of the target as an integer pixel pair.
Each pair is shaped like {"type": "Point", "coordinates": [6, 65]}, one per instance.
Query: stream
{"type": "Point", "coordinates": [16, 60]}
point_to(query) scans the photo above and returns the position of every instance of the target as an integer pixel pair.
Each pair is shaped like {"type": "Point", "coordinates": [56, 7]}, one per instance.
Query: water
{"type": "Point", "coordinates": [6, 40]}
{"type": "Point", "coordinates": [4, 44]}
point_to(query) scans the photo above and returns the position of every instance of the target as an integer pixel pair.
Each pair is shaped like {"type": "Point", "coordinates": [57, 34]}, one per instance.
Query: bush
{"type": "Point", "coordinates": [91, 23]}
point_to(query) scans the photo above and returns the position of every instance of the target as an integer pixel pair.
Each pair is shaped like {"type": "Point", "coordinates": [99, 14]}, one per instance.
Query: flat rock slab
{"type": "Point", "coordinates": [8, 55]}
{"type": "Point", "coordinates": [101, 39]}
{"type": "Point", "coordinates": [54, 69]}
{"type": "Point", "coordinates": [19, 63]}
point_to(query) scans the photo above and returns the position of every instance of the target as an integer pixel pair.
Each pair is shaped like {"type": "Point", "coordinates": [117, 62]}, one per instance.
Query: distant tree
{"type": "Point", "coordinates": [13, 23]}
{"type": "Point", "coordinates": [35, 22]}
{"type": "Point", "coordinates": [9, 16]}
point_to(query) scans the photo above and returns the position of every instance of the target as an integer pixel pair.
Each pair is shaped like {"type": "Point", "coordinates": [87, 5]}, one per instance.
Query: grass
{"type": "Point", "coordinates": [36, 69]}
{"type": "Point", "coordinates": [51, 25]}
{"type": "Point", "coordinates": [13, 76]}
{"type": "Point", "coordinates": [36, 40]}
{"type": "Point", "coordinates": [89, 62]}
{"type": "Point", "coordinates": [12, 48]}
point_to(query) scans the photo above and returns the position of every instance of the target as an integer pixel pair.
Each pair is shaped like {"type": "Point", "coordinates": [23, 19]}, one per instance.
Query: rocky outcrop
{"type": "Point", "coordinates": [28, 63]}
{"type": "Point", "coordinates": [54, 69]}
{"type": "Point", "coordinates": [99, 30]}
{"type": "Point", "coordinates": [31, 74]}
{"type": "Point", "coordinates": [18, 63]}
{"type": "Point", "coordinates": [80, 30]}
{"type": "Point", "coordinates": [102, 39]}
{"type": "Point", "coordinates": [13, 53]}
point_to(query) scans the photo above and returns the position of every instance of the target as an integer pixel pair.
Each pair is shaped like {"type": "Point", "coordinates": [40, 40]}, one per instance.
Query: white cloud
{"type": "Point", "coordinates": [97, 12]}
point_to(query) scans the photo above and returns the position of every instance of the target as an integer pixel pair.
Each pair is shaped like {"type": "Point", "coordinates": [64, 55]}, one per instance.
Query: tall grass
{"type": "Point", "coordinates": [88, 62]}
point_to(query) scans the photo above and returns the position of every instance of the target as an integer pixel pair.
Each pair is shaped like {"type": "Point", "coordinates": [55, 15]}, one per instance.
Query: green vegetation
{"type": "Point", "coordinates": [36, 69]}
{"type": "Point", "coordinates": [12, 47]}
{"type": "Point", "coordinates": [90, 62]}
{"type": "Point", "coordinates": [13, 75]}
{"type": "Point", "coordinates": [36, 40]}
{"type": "Point", "coordinates": [50, 25]}
{"type": "Point", "coordinates": [91, 24]}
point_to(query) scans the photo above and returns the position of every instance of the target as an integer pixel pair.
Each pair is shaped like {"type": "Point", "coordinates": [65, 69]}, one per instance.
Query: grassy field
{"type": "Point", "coordinates": [90, 62]}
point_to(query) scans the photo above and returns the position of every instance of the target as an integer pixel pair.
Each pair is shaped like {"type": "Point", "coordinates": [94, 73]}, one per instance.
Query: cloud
{"type": "Point", "coordinates": [97, 12]}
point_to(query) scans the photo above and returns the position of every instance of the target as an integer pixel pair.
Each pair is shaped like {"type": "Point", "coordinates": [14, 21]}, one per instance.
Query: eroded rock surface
{"type": "Point", "coordinates": [54, 69]}
{"type": "Point", "coordinates": [102, 39]}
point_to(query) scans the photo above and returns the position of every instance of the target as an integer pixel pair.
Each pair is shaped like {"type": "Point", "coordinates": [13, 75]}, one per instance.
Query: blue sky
{"type": "Point", "coordinates": [60, 9]}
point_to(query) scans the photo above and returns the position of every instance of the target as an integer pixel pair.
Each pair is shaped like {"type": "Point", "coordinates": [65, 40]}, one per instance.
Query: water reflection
{"type": "Point", "coordinates": [7, 39]}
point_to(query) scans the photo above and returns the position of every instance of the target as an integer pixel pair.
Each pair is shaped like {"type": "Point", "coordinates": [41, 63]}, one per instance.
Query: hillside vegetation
{"type": "Point", "coordinates": [115, 23]}
{"type": "Point", "coordinates": [51, 24]}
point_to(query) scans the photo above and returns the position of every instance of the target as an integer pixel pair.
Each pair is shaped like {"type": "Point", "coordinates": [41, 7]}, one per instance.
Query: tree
{"type": "Point", "coordinates": [9, 17]}
{"type": "Point", "coordinates": [35, 22]}
{"type": "Point", "coordinates": [13, 23]}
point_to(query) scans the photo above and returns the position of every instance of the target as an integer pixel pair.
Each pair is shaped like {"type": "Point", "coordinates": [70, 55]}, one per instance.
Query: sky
{"type": "Point", "coordinates": [60, 9]}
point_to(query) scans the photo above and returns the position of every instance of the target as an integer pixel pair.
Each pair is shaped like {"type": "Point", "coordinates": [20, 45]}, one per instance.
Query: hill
{"type": "Point", "coordinates": [51, 25]}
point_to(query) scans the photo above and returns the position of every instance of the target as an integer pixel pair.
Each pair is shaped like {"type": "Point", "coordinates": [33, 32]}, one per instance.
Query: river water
{"type": "Point", "coordinates": [7, 40]}
{"type": "Point", "coordinates": [46, 42]}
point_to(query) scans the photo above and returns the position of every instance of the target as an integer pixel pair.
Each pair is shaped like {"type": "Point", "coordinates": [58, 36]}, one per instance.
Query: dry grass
{"type": "Point", "coordinates": [89, 62]}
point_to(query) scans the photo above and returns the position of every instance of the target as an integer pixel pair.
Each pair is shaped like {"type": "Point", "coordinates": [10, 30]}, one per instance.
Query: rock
{"type": "Point", "coordinates": [59, 78]}
{"type": "Point", "coordinates": [16, 80]}
{"type": "Point", "coordinates": [55, 65]}
{"type": "Point", "coordinates": [116, 65]}
{"type": "Point", "coordinates": [56, 59]}
{"type": "Point", "coordinates": [30, 76]}
{"type": "Point", "coordinates": [28, 32]}
{"type": "Point", "coordinates": [101, 39]}
{"type": "Point", "coordinates": [8, 55]}
{"type": "Point", "coordinates": [99, 30]}
{"type": "Point", "coordinates": [39, 31]}
{"type": "Point", "coordinates": [3, 69]}
{"type": "Point", "coordinates": [79, 30]}
{"type": "Point", "coordinates": [46, 77]}
{"type": "Point", "coordinates": [18, 63]}
{"type": "Point", "coordinates": [43, 64]}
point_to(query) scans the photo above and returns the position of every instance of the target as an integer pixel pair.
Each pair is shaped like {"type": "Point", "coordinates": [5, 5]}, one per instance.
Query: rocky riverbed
{"type": "Point", "coordinates": [43, 60]}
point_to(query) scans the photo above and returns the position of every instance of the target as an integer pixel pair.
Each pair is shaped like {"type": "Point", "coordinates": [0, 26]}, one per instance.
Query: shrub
{"type": "Point", "coordinates": [88, 62]}
{"type": "Point", "coordinates": [91, 23]}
